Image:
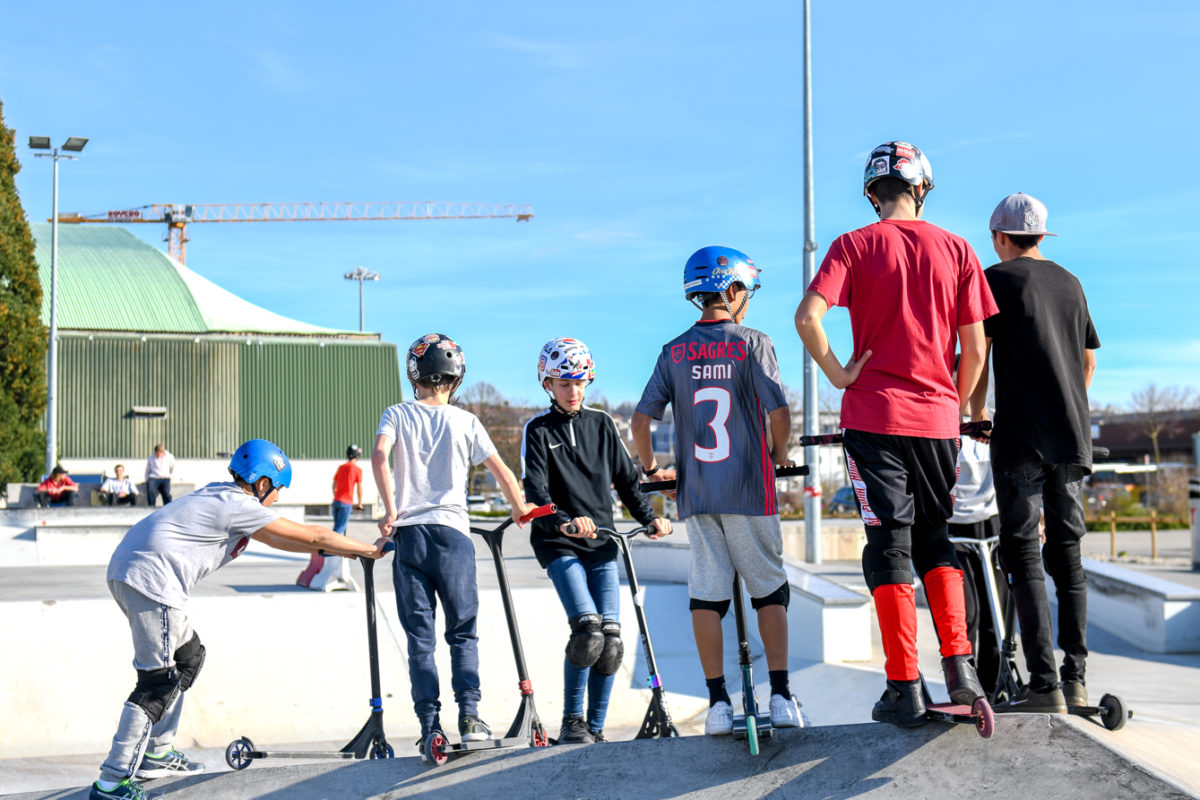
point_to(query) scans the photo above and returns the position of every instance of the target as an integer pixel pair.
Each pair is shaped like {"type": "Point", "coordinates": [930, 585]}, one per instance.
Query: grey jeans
{"type": "Point", "coordinates": [158, 631]}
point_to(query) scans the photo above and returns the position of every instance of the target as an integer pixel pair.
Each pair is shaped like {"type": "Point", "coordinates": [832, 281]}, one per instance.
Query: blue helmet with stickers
{"type": "Point", "coordinates": [715, 269]}
{"type": "Point", "coordinates": [259, 458]}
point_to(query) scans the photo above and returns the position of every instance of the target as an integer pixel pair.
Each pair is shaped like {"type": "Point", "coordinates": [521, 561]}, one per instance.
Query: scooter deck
{"type": "Point", "coordinates": [488, 744]}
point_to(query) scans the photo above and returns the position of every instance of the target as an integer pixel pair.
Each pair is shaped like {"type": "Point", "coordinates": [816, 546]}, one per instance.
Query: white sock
{"type": "Point", "coordinates": [108, 786]}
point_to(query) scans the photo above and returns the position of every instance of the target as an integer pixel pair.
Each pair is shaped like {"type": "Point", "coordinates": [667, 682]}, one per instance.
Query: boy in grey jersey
{"type": "Point", "coordinates": [722, 382]}
{"type": "Point", "coordinates": [151, 575]}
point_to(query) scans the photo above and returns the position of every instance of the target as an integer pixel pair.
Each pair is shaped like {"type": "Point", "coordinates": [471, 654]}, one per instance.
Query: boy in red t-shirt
{"type": "Point", "coordinates": [327, 573]}
{"type": "Point", "coordinates": [912, 290]}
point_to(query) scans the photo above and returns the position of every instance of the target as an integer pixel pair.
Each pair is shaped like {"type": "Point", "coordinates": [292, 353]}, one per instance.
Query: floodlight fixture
{"type": "Point", "coordinates": [361, 274]}
{"type": "Point", "coordinates": [75, 143]}
{"type": "Point", "coordinates": [39, 142]}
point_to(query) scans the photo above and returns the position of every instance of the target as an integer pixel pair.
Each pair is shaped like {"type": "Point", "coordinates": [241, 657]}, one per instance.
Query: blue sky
{"type": "Point", "coordinates": [639, 132]}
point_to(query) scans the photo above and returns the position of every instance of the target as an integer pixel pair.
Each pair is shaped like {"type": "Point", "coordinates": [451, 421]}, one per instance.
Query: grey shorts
{"type": "Point", "coordinates": [723, 543]}
{"type": "Point", "coordinates": [158, 630]}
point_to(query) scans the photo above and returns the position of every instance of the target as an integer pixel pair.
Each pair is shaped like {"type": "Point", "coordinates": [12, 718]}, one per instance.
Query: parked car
{"type": "Point", "coordinates": [842, 501]}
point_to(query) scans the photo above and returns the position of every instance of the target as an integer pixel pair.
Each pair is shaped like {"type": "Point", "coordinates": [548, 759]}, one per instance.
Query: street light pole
{"type": "Point", "coordinates": [812, 411]}
{"type": "Point", "coordinates": [75, 144]}
{"type": "Point", "coordinates": [361, 274]}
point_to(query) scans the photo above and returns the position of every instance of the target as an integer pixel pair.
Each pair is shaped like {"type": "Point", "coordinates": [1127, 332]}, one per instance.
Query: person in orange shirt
{"type": "Point", "coordinates": [57, 490]}
{"type": "Point", "coordinates": [329, 573]}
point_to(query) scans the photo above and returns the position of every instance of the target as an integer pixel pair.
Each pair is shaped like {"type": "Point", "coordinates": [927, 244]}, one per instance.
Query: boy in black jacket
{"type": "Point", "coordinates": [571, 456]}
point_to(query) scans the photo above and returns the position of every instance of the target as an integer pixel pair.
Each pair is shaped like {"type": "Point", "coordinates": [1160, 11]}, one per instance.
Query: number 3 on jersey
{"type": "Point", "coordinates": [714, 394]}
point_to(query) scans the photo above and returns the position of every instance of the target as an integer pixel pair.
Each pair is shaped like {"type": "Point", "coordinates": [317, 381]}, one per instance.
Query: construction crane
{"type": "Point", "coordinates": [177, 217]}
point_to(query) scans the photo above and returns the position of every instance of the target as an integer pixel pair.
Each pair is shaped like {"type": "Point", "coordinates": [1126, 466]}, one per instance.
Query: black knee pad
{"type": "Point", "coordinates": [156, 689]}
{"type": "Point", "coordinates": [586, 642]}
{"type": "Point", "coordinates": [1064, 565]}
{"type": "Point", "coordinates": [614, 650]}
{"type": "Point", "coordinates": [780, 597]}
{"type": "Point", "coordinates": [189, 658]}
{"type": "Point", "coordinates": [719, 606]}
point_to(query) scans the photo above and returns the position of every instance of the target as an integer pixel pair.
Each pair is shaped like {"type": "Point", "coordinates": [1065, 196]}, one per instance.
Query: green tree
{"type": "Point", "coordinates": [22, 335]}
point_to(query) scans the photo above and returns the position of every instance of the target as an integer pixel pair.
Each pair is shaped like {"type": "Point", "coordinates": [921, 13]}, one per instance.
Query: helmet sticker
{"type": "Point", "coordinates": [722, 261]}
{"type": "Point", "coordinates": [879, 166]}
{"type": "Point", "coordinates": [412, 368]}
{"type": "Point", "coordinates": [419, 349]}
{"type": "Point", "coordinates": [692, 284]}
{"type": "Point", "coordinates": [431, 337]}
{"type": "Point", "coordinates": [278, 461]}
{"type": "Point", "coordinates": [904, 150]}
{"type": "Point", "coordinates": [541, 363]}
{"type": "Point", "coordinates": [446, 344]}
{"type": "Point", "coordinates": [907, 169]}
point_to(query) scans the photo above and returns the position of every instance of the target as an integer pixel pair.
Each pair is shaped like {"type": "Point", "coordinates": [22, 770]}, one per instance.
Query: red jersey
{"type": "Point", "coordinates": [344, 481]}
{"type": "Point", "coordinates": [909, 287]}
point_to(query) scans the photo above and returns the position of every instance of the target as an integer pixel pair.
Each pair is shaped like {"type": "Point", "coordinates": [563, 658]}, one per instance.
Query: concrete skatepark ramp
{"type": "Point", "coordinates": [1029, 756]}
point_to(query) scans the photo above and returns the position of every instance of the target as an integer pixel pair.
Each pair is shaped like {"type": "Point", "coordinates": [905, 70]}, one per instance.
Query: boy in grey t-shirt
{"type": "Point", "coordinates": [435, 445]}
{"type": "Point", "coordinates": [151, 575]}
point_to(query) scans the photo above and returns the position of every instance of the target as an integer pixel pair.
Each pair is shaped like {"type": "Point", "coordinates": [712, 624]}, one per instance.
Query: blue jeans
{"type": "Point", "coordinates": [586, 587]}
{"type": "Point", "coordinates": [341, 516]}
{"type": "Point", "coordinates": [1023, 491]}
{"type": "Point", "coordinates": [436, 562]}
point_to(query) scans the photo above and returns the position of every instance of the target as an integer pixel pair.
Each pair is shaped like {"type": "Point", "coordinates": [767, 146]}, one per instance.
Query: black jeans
{"type": "Point", "coordinates": [156, 487]}
{"type": "Point", "coordinates": [1023, 490]}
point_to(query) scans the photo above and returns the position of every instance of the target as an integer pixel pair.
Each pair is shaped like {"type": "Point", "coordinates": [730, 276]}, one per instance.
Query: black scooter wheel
{"type": "Point", "coordinates": [1113, 712]}
{"type": "Point", "coordinates": [435, 749]}
{"type": "Point", "coordinates": [382, 750]}
{"type": "Point", "coordinates": [237, 754]}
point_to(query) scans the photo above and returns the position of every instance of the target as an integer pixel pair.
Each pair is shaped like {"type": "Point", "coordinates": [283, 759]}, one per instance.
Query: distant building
{"type": "Point", "coordinates": [150, 351]}
{"type": "Point", "coordinates": [1126, 439]}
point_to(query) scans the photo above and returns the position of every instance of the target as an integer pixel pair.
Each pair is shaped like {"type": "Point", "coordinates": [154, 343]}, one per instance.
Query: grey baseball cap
{"type": "Point", "coordinates": [1020, 215]}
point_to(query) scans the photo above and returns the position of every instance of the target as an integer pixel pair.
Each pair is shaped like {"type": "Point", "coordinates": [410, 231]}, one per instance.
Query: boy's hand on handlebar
{"type": "Point", "coordinates": [666, 475]}
{"type": "Point", "coordinates": [380, 543]}
{"type": "Point", "coordinates": [659, 528]}
{"type": "Point", "coordinates": [584, 528]}
{"type": "Point", "coordinates": [521, 510]}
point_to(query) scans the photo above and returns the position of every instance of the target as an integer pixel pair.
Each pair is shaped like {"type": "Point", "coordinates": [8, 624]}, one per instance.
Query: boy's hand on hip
{"type": "Point", "coordinates": [585, 528]}
{"type": "Point", "coordinates": [854, 369]}
{"type": "Point", "coordinates": [659, 528]}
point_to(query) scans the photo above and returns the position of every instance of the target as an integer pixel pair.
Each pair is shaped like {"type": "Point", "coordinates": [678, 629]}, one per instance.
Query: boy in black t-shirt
{"type": "Point", "coordinates": [571, 456]}
{"type": "Point", "coordinates": [1042, 342]}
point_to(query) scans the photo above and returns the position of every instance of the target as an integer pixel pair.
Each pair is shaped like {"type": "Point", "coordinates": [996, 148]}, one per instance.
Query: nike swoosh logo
{"type": "Point", "coordinates": [556, 444]}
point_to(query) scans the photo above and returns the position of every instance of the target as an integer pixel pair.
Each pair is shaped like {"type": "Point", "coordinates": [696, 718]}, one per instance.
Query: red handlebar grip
{"type": "Point", "coordinates": [540, 511]}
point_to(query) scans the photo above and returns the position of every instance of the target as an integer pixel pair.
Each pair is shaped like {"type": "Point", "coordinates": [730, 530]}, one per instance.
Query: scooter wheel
{"type": "Point", "coordinates": [985, 720]}
{"type": "Point", "coordinates": [435, 748]}
{"type": "Point", "coordinates": [539, 736]}
{"type": "Point", "coordinates": [672, 731]}
{"type": "Point", "coordinates": [1113, 712]}
{"type": "Point", "coordinates": [381, 749]}
{"type": "Point", "coordinates": [237, 754]}
{"type": "Point", "coordinates": [752, 733]}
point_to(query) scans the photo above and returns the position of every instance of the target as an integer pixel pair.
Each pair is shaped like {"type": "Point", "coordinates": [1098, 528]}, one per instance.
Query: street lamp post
{"type": "Point", "coordinates": [73, 144]}
{"type": "Point", "coordinates": [361, 274]}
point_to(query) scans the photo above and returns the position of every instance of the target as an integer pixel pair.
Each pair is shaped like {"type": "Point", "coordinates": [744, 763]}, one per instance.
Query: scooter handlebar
{"type": "Point", "coordinates": [571, 528]}
{"type": "Point", "coordinates": [666, 486]}
{"type": "Point", "coordinates": [540, 511]}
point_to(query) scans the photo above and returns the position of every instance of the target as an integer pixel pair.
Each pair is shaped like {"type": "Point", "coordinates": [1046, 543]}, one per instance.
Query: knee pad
{"type": "Point", "coordinates": [586, 642]}
{"type": "Point", "coordinates": [780, 597]}
{"type": "Point", "coordinates": [719, 606]}
{"type": "Point", "coordinates": [189, 658]}
{"type": "Point", "coordinates": [156, 689]}
{"type": "Point", "coordinates": [614, 650]}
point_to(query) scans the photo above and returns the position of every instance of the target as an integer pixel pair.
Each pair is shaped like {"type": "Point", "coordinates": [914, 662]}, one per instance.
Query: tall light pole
{"type": "Point", "coordinates": [74, 144]}
{"type": "Point", "coordinates": [361, 274]}
{"type": "Point", "coordinates": [812, 482]}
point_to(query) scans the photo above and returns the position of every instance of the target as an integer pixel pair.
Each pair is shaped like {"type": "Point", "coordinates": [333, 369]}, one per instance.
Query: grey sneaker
{"type": "Point", "coordinates": [170, 763]}
{"type": "Point", "coordinates": [1028, 701]}
{"type": "Point", "coordinates": [125, 790]}
{"type": "Point", "coordinates": [473, 729]}
{"type": "Point", "coordinates": [1075, 693]}
{"type": "Point", "coordinates": [575, 731]}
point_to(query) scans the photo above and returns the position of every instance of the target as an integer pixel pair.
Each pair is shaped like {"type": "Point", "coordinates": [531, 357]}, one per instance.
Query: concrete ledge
{"type": "Point", "coordinates": [1154, 614]}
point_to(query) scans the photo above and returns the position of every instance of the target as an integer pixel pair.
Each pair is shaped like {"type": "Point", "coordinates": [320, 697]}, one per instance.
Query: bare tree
{"type": "Point", "coordinates": [1158, 413]}
{"type": "Point", "coordinates": [502, 420]}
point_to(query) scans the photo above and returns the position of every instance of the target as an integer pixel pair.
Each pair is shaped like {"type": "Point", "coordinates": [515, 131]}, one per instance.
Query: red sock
{"type": "Point", "coordinates": [944, 589]}
{"type": "Point", "coordinates": [897, 613]}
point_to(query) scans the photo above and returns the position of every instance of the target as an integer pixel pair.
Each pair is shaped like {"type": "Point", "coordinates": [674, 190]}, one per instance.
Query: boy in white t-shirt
{"type": "Point", "coordinates": [151, 575]}
{"type": "Point", "coordinates": [434, 445]}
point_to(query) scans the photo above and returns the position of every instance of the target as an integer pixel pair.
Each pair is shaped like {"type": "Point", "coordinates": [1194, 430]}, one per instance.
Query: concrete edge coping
{"type": "Point", "coordinates": [1148, 584]}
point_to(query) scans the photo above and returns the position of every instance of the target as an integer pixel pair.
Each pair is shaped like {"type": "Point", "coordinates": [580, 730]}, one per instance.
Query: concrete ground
{"type": "Point", "coordinates": [1153, 756]}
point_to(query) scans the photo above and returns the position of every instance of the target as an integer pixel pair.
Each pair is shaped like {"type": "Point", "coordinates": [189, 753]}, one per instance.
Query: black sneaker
{"type": "Point", "coordinates": [901, 704]}
{"type": "Point", "coordinates": [961, 681]}
{"type": "Point", "coordinates": [1028, 701]}
{"type": "Point", "coordinates": [125, 790]}
{"type": "Point", "coordinates": [473, 729]}
{"type": "Point", "coordinates": [597, 736]}
{"type": "Point", "coordinates": [1075, 692]}
{"type": "Point", "coordinates": [575, 731]}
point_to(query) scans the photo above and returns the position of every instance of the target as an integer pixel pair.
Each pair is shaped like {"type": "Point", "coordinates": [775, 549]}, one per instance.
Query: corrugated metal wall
{"type": "Point", "coordinates": [314, 400]}
{"type": "Point", "coordinates": [310, 399]}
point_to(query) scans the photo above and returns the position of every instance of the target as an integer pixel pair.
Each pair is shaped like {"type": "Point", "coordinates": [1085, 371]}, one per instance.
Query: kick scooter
{"type": "Point", "coordinates": [370, 740]}
{"type": "Point", "coordinates": [526, 729]}
{"type": "Point", "coordinates": [750, 724]}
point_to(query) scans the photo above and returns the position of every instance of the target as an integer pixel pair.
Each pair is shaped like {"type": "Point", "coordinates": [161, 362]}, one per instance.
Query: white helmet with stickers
{"type": "Point", "coordinates": [566, 358]}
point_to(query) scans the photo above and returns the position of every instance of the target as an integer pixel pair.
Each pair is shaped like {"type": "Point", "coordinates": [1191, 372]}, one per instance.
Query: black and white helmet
{"type": "Point", "coordinates": [898, 160]}
{"type": "Point", "coordinates": [436, 358]}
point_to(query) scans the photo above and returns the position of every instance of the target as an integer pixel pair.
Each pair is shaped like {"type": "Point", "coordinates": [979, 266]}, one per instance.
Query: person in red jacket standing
{"type": "Point", "coordinates": [912, 290]}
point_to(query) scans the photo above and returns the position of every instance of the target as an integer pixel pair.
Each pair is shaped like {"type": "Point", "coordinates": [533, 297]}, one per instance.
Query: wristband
{"type": "Point", "coordinates": [650, 472]}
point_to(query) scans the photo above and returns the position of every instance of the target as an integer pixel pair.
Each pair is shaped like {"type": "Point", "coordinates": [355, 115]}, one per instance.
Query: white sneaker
{"type": "Point", "coordinates": [719, 721]}
{"type": "Point", "coordinates": [785, 712]}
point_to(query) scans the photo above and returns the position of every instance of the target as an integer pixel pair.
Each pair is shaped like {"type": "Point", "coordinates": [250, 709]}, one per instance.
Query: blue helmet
{"type": "Point", "coordinates": [259, 458]}
{"type": "Point", "coordinates": [715, 269]}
